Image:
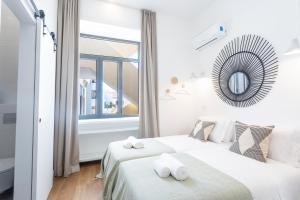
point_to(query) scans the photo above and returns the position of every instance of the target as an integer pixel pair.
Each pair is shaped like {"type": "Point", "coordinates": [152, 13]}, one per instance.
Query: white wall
{"type": "Point", "coordinates": [174, 56]}
{"type": "Point", "coordinates": [9, 47]}
{"type": "Point", "coordinates": [278, 22]}
{"type": "Point", "coordinates": [174, 59]}
{"type": "Point", "coordinates": [107, 13]}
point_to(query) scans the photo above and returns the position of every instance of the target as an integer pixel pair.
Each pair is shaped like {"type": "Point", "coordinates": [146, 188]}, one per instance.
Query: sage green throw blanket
{"type": "Point", "coordinates": [138, 181]}
{"type": "Point", "coordinates": [116, 154]}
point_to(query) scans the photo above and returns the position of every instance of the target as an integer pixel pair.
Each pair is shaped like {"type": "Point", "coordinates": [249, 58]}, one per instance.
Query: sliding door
{"type": "Point", "coordinates": [44, 115]}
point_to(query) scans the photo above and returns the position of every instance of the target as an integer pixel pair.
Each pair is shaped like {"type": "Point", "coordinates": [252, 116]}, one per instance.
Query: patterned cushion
{"type": "Point", "coordinates": [252, 141]}
{"type": "Point", "coordinates": [202, 130]}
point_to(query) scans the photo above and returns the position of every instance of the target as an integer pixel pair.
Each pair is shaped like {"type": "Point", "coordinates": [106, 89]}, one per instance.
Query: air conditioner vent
{"type": "Point", "coordinates": [209, 36]}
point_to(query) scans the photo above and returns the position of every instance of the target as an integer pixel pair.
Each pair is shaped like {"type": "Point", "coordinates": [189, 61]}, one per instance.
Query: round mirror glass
{"type": "Point", "coordinates": [238, 83]}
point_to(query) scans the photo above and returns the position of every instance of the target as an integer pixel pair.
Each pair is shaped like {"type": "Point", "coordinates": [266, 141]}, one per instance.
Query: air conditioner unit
{"type": "Point", "coordinates": [209, 36]}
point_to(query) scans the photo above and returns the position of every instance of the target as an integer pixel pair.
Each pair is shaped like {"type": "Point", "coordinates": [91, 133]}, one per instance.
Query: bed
{"type": "Point", "coordinates": [116, 154]}
{"type": "Point", "coordinates": [264, 181]}
{"type": "Point", "coordinates": [216, 173]}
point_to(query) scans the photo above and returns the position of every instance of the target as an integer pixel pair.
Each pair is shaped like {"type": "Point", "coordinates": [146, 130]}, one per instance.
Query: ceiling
{"type": "Point", "coordinates": [181, 8]}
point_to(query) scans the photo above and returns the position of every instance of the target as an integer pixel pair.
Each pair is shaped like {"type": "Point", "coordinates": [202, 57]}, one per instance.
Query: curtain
{"type": "Point", "coordinates": [149, 122]}
{"type": "Point", "coordinates": [66, 146]}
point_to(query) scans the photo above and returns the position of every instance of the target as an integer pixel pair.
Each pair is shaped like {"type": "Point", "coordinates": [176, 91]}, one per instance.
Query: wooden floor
{"type": "Point", "coordinates": [79, 186]}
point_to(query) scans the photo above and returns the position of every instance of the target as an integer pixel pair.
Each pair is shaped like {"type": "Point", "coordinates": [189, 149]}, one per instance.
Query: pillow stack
{"type": "Point", "coordinates": [252, 141]}
{"type": "Point", "coordinates": [202, 130]}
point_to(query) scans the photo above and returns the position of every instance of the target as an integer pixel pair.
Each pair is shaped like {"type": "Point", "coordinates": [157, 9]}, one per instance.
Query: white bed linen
{"type": "Point", "coordinates": [266, 181]}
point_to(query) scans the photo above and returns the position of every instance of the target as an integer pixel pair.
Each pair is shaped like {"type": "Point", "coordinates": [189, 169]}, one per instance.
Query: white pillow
{"type": "Point", "coordinates": [229, 131]}
{"type": "Point", "coordinates": [224, 130]}
{"type": "Point", "coordinates": [285, 146]}
{"type": "Point", "coordinates": [220, 131]}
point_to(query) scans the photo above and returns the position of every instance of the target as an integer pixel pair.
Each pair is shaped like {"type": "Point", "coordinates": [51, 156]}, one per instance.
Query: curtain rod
{"type": "Point", "coordinates": [41, 15]}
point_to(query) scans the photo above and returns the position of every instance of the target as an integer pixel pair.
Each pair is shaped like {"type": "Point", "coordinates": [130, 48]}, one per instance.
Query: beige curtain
{"type": "Point", "coordinates": [66, 147]}
{"type": "Point", "coordinates": [149, 122]}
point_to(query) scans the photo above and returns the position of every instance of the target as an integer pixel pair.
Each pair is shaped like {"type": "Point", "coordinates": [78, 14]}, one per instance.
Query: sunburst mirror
{"type": "Point", "coordinates": [245, 70]}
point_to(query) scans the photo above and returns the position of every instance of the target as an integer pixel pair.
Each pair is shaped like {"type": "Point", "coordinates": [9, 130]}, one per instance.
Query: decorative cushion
{"type": "Point", "coordinates": [202, 130]}
{"type": "Point", "coordinates": [252, 141]}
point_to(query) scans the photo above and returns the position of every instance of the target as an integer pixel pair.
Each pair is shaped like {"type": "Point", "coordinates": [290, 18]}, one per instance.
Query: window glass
{"type": "Point", "coordinates": [108, 48]}
{"type": "Point", "coordinates": [109, 82]}
{"type": "Point", "coordinates": [87, 87]}
{"type": "Point", "coordinates": [110, 87]}
{"type": "Point", "coordinates": [130, 83]}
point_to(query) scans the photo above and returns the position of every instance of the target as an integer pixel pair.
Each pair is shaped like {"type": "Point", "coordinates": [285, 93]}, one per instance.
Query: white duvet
{"type": "Point", "coordinates": [266, 181]}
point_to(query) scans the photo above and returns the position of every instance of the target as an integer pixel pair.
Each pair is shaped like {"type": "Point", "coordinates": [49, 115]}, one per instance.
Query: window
{"type": "Point", "coordinates": [109, 71]}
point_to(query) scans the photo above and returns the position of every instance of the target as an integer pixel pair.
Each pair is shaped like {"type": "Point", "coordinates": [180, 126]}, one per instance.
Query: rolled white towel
{"type": "Point", "coordinates": [127, 144]}
{"type": "Point", "coordinates": [161, 168]}
{"type": "Point", "coordinates": [136, 143]}
{"type": "Point", "coordinates": [178, 170]}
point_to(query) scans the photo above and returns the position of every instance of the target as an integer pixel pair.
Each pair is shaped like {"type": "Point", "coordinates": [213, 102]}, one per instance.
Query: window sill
{"type": "Point", "coordinates": [105, 126]}
{"type": "Point", "coordinates": [109, 120]}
